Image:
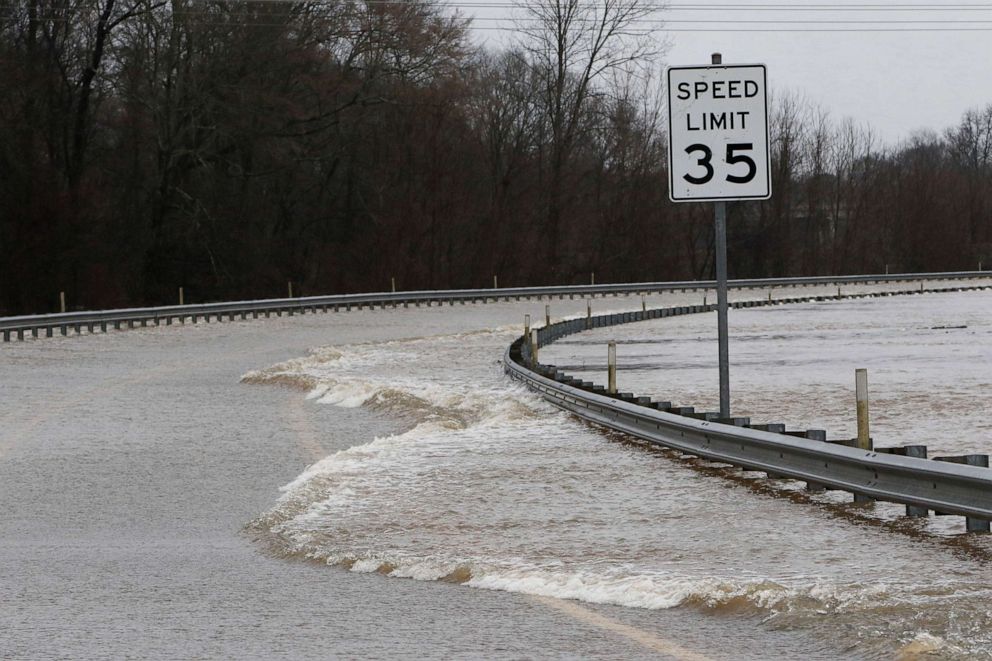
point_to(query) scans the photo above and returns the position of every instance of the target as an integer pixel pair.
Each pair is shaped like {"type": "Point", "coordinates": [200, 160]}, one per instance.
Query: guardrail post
{"type": "Point", "coordinates": [181, 299]}
{"type": "Point", "coordinates": [588, 314]}
{"type": "Point", "coordinates": [861, 395]}
{"type": "Point", "coordinates": [62, 301]}
{"type": "Point", "coordinates": [920, 452]}
{"type": "Point", "coordinates": [644, 305]}
{"type": "Point", "coordinates": [982, 461]}
{"type": "Point", "coordinates": [547, 315]}
{"type": "Point", "coordinates": [611, 359]}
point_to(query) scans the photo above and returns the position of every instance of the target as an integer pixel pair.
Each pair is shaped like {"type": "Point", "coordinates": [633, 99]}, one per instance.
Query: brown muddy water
{"type": "Point", "coordinates": [166, 495]}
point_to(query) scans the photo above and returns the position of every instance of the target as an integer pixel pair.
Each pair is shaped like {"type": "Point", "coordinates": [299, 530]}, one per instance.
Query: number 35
{"type": "Point", "coordinates": [732, 159]}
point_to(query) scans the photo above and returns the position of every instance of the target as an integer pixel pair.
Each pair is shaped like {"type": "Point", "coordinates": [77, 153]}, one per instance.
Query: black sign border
{"type": "Point", "coordinates": [671, 155]}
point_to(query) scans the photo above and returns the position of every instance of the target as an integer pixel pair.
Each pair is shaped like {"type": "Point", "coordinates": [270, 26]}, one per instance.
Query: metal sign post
{"type": "Point", "coordinates": [721, 307]}
{"type": "Point", "coordinates": [718, 151]}
{"type": "Point", "coordinates": [722, 328]}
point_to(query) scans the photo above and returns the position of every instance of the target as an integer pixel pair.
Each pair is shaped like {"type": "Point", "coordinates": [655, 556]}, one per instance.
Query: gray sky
{"type": "Point", "coordinates": [896, 81]}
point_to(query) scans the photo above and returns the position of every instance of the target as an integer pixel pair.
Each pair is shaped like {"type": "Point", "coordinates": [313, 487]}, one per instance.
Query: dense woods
{"type": "Point", "coordinates": [231, 147]}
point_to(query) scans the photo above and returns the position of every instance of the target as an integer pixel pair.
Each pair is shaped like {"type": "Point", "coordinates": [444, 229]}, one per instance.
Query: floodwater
{"type": "Point", "coordinates": [262, 489]}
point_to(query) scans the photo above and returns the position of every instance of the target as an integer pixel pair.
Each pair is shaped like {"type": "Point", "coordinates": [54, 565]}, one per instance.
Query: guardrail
{"type": "Point", "coordinates": [47, 324]}
{"type": "Point", "coordinates": [900, 475]}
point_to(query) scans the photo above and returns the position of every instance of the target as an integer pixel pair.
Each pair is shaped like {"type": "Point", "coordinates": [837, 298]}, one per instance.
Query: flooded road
{"type": "Point", "coordinates": [262, 489]}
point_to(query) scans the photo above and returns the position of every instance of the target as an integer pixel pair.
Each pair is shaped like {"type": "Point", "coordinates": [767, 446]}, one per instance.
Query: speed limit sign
{"type": "Point", "coordinates": [718, 133]}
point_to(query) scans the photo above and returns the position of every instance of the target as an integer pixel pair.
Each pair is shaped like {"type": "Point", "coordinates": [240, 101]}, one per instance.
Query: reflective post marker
{"type": "Point", "coordinates": [861, 397]}
{"type": "Point", "coordinates": [611, 368]}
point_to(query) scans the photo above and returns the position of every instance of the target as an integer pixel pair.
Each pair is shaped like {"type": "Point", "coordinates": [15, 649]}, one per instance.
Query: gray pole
{"type": "Point", "coordinates": [721, 307]}
{"type": "Point", "coordinates": [721, 295]}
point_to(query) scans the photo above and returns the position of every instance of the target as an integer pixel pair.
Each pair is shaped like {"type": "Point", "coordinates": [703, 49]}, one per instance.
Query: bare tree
{"type": "Point", "coordinates": [970, 145]}
{"type": "Point", "coordinates": [573, 45]}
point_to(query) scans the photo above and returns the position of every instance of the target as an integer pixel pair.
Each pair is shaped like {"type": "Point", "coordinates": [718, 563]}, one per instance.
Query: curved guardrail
{"type": "Point", "coordinates": [35, 325]}
{"type": "Point", "coordinates": [877, 474]}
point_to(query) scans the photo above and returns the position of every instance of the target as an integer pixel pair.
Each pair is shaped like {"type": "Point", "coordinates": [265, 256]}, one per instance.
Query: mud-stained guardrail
{"type": "Point", "coordinates": [944, 485]}
{"type": "Point", "coordinates": [46, 325]}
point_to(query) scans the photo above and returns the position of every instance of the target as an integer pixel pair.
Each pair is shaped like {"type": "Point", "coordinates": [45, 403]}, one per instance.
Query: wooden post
{"type": "Point", "coordinates": [289, 286]}
{"type": "Point", "coordinates": [527, 325]}
{"type": "Point", "coordinates": [495, 282]}
{"type": "Point", "coordinates": [181, 299]}
{"type": "Point", "coordinates": [588, 314]}
{"type": "Point", "coordinates": [611, 386]}
{"type": "Point", "coordinates": [533, 347]}
{"type": "Point", "coordinates": [644, 305]}
{"type": "Point", "coordinates": [547, 315]}
{"type": "Point", "coordinates": [592, 278]}
{"type": "Point", "coordinates": [62, 301]}
{"type": "Point", "coordinates": [861, 395]}
{"type": "Point", "coordinates": [392, 281]}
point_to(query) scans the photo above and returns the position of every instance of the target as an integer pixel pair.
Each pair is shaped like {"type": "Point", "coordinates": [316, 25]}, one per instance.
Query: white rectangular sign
{"type": "Point", "coordinates": [718, 133]}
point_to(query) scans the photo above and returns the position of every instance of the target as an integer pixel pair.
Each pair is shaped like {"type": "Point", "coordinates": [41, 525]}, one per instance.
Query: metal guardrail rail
{"type": "Point", "coordinates": [47, 324]}
{"type": "Point", "coordinates": [921, 484]}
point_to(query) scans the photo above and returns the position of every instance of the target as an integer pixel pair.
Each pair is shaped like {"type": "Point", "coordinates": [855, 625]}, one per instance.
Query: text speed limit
{"type": "Point", "coordinates": [718, 133]}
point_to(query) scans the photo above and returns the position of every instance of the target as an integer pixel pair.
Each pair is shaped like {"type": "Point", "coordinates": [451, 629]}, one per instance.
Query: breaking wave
{"type": "Point", "coordinates": [493, 489]}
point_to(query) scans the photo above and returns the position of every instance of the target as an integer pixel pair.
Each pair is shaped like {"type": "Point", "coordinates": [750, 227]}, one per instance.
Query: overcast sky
{"type": "Point", "coordinates": [898, 82]}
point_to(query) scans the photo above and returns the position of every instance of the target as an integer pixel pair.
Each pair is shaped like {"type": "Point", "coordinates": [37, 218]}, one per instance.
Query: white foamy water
{"type": "Point", "coordinates": [494, 489]}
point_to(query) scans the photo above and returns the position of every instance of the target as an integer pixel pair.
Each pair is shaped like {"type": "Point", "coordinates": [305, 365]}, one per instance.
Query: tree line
{"type": "Point", "coordinates": [231, 147]}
